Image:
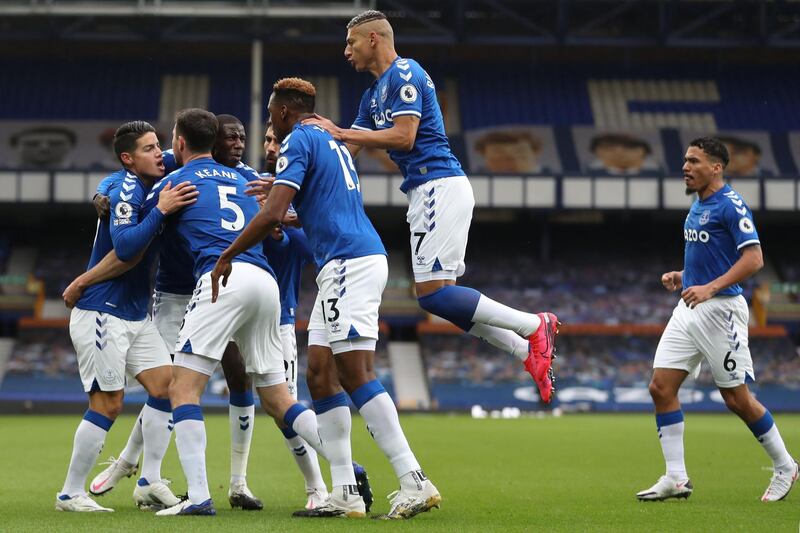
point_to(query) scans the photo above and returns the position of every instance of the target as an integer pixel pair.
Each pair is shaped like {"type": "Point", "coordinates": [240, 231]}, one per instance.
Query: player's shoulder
{"type": "Point", "coordinates": [156, 189]}
{"type": "Point", "coordinates": [405, 70]}
{"type": "Point", "coordinates": [247, 171]}
{"type": "Point", "coordinates": [115, 177]}
{"type": "Point", "coordinates": [731, 202]}
{"type": "Point", "coordinates": [309, 134]}
{"type": "Point", "coordinates": [128, 188]}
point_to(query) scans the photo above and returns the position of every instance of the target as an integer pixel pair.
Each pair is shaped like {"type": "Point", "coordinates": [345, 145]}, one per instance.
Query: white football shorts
{"type": "Point", "coordinates": [247, 311]}
{"type": "Point", "coordinates": [168, 311]}
{"type": "Point", "coordinates": [108, 348]}
{"type": "Point", "coordinates": [289, 341]}
{"type": "Point", "coordinates": [715, 330]}
{"type": "Point", "coordinates": [349, 296]}
{"type": "Point", "coordinates": [439, 215]}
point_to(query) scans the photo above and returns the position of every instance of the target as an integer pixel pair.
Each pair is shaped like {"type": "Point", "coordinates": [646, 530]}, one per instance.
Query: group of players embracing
{"type": "Point", "coordinates": [229, 247]}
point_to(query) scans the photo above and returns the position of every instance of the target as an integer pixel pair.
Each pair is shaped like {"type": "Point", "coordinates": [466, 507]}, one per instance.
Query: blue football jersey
{"type": "Point", "coordinates": [328, 198]}
{"type": "Point", "coordinates": [287, 257]}
{"type": "Point", "coordinates": [105, 183]}
{"type": "Point", "coordinates": [176, 264]}
{"type": "Point", "coordinates": [406, 89]}
{"type": "Point", "coordinates": [715, 231]}
{"type": "Point", "coordinates": [221, 212]}
{"type": "Point", "coordinates": [128, 231]}
{"type": "Point", "coordinates": [170, 164]}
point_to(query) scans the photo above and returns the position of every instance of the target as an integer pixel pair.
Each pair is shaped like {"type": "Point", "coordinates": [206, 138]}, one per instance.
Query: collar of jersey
{"type": "Point", "coordinates": [201, 160]}
{"type": "Point", "coordinates": [396, 59]}
{"type": "Point", "coordinates": [725, 188]}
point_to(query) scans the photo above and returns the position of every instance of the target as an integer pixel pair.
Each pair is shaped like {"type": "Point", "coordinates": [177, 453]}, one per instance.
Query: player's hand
{"type": "Point", "coordinates": [72, 294]}
{"type": "Point", "coordinates": [102, 205]}
{"type": "Point", "coordinates": [277, 233]}
{"type": "Point", "coordinates": [291, 219]}
{"type": "Point", "coordinates": [672, 281]}
{"type": "Point", "coordinates": [261, 186]}
{"type": "Point", "coordinates": [172, 199]}
{"type": "Point", "coordinates": [325, 124]}
{"type": "Point", "coordinates": [697, 295]}
{"type": "Point", "coordinates": [221, 270]}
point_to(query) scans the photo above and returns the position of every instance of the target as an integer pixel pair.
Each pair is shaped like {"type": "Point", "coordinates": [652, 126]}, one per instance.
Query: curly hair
{"type": "Point", "coordinates": [296, 93]}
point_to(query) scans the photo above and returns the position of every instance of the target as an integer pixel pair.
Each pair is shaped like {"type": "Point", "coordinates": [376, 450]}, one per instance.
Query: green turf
{"type": "Point", "coordinates": [574, 473]}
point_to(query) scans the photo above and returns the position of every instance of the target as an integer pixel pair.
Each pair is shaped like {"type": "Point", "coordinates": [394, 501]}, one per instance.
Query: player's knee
{"type": "Point", "coordinates": [659, 391]}
{"type": "Point", "coordinates": [351, 379]}
{"type": "Point", "coordinates": [108, 405]}
{"type": "Point", "coordinates": [735, 403]}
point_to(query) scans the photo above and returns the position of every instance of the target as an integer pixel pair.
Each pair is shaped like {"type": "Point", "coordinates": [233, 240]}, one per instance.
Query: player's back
{"type": "Point", "coordinates": [176, 263]}
{"type": "Point", "coordinates": [405, 89]}
{"type": "Point", "coordinates": [328, 198]}
{"type": "Point", "coordinates": [221, 212]}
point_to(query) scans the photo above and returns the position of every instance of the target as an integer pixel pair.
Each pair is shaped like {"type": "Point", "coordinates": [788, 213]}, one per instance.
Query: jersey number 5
{"type": "Point", "coordinates": [344, 153]}
{"type": "Point", "coordinates": [224, 203]}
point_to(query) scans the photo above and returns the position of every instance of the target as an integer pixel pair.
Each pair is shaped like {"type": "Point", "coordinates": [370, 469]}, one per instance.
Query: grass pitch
{"type": "Point", "coordinates": [574, 473]}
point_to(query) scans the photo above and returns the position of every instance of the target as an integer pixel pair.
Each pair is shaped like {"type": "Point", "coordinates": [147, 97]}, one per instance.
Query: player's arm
{"type": "Point", "coordinates": [130, 236]}
{"type": "Point", "coordinates": [100, 199]}
{"type": "Point", "coordinates": [399, 137]}
{"type": "Point", "coordinates": [750, 261]}
{"type": "Point", "coordinates": [672, 281]}
{"type": "Point", "coordinates": [255, 232]}
{"type": "Point", "coordinates": [108, 268]}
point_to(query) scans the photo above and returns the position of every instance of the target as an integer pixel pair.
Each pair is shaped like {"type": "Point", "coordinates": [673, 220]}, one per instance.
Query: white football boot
{"type": "Point", "coordinates": [780, 484]}
{"type": "Point", "coordinates": [154, 496]}
{"type": "Point", "coordinates": [316, 498]}
{"type": "Point", "coordinates": [665, 488]}
{"type": "Point", "coordinates": [343, 502]}
{"type": "Point", "coordinates": [406, 503]}
{"type": "Point", "coordinates": [79, 504]}
{"type": "Point", "coordinates": [108, 478]}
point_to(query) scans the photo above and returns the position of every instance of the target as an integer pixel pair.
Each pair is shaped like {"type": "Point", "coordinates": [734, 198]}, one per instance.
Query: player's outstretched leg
{"type": "Point", "coordinates": [527, 336]}
{"type": "Point", "coordinates": [306, 458]}
{"type": "Point", "coordinates": [304, 455]}
{"type": "Point", "coordinates": [88, 442]}
{"type": "Point", "coordinates": [126, 466]}
{"type": "Point", "coordinates": [785, 471]}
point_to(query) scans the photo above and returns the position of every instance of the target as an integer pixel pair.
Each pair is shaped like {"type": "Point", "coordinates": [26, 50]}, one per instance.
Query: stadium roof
{"type": "Point", "coordinates": [524, 23]}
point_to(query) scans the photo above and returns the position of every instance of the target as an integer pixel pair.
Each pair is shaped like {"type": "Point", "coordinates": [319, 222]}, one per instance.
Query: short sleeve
{"type": "Point", "coordinates": [105, 185]}
{"type": "Point", "coordinates": [363, 120]}
{"type": "Point", "coordinates": [407, 86]}
{"type": "Point", "coordinates": [293, 159]}
{"type": "Point", "coordinates": [739, 221]}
